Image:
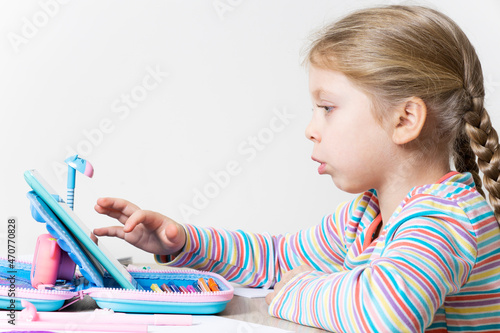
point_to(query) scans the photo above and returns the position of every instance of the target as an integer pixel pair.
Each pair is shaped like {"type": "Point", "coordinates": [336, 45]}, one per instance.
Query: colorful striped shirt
{"type": "Point", "coordinates": [435, 266]}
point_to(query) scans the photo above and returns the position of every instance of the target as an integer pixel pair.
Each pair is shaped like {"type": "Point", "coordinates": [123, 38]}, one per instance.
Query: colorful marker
{"type": "Point", "coordinates": [155, 288]}
{"type": "Point", "coordinates": [213, 285]}
{"type": "Point", "coordinates": [183, 290]}
{"type": "Point", "coordinates": [196, 287]}
{"type": "Point", "coordinates": [174, 287]}
{"type": "Point", "coordinates": [203, 285]}
{"type": "Point", "coordinates": [165, 288]}
{"type": "Point", "coordinates": [191, 289]}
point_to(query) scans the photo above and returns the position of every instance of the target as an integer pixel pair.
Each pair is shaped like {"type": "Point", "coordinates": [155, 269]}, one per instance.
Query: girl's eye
{"type": "Point", "coordinates": [327, 109]}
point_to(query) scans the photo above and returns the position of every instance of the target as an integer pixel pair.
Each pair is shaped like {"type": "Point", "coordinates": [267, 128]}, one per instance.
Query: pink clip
{"type": "Point", "coordinates": [50, 263]}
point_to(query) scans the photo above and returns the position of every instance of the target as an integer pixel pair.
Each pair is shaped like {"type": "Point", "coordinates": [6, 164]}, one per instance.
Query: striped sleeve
{"type": "Point", "coordinates": [259, 260]}
{"type": "Point", "coordinates": [241, 257]}
{"type": "Point", "coordinates": [428, 256]}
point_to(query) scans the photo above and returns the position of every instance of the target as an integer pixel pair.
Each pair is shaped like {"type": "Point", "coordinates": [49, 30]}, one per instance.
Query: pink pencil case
{"type": "Point", "coordinates": [15, 285]}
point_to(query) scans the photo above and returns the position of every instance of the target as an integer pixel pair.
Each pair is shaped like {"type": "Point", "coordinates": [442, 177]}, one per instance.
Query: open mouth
{"type": "Point", "coordinates": [322, 167]}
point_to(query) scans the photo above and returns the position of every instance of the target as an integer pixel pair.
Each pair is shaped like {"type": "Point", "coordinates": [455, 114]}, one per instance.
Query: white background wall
{"type": "Point", "coordinates": [63, 78]}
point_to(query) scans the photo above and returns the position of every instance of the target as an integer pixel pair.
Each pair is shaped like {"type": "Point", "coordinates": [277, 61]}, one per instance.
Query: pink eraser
{"type": "Point", "coordinates": [89, 170]}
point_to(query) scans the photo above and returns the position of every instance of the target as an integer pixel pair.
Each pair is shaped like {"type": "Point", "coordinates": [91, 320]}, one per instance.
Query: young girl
{"type": "Point", "coordinates": [396, 91]}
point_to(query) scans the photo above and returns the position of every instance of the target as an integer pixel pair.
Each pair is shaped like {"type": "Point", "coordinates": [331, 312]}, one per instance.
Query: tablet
{"type": "Point", "coordinates": [80, 232]}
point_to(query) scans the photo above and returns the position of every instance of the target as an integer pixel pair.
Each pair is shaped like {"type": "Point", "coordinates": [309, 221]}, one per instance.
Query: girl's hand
{"type": "Point", "coordinates": [144, 229]}
{"type": "Point", "coordinates": [285, 279]}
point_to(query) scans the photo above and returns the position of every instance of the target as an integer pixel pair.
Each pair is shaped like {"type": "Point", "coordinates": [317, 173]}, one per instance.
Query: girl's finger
{"type": "Point", "coordinates": [149, 219]}
{"type": "Point", "coordinates": [111, 213]}
{"type": "Point", "coordinates": [175, 233]}
{"type": "Point", "coordinates": [110, 232]}
{"type": "Point", "coordinates": [125, 207]}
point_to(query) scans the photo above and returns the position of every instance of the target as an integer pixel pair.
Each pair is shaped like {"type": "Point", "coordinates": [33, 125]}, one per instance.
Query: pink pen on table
{"type": "Point", "coordinates": [29, 318]}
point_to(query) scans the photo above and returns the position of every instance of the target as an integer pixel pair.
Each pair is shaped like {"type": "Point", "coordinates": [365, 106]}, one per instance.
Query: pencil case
{"type": "Point", "coordinates": [93, 280]}
{"type": "Point", "coordinates": [112, 296]}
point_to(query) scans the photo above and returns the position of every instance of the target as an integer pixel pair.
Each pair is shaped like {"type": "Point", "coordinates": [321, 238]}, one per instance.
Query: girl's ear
{"type": "Point", "coordinates": [409, 119]}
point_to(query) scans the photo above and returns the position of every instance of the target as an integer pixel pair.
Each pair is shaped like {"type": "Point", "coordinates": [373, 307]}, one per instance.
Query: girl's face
{"type": "Point", "coordinates": [349, 143]}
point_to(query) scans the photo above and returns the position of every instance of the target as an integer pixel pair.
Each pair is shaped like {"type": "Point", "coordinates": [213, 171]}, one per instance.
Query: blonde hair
{"type": "Point", "coordinates": [397, 52]}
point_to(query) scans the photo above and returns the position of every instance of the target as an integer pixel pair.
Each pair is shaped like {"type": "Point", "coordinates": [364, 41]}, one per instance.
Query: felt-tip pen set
{"type": "Point", "coordinates": [196, 287]}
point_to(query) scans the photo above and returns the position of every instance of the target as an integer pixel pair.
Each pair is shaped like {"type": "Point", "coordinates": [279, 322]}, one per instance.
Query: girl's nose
{"type": "Point", "coordinates": [312, 133]}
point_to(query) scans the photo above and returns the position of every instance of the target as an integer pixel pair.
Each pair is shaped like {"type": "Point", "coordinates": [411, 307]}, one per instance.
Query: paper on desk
{"type": "Point", "coordinates": [216, 324]}
{"type": "Point", "coordinates": [205, 324]}
{"type": "Point", "coordinates": [251, 292]}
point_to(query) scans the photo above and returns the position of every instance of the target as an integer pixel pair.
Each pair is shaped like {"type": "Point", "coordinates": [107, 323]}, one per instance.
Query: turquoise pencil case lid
{"type": "Point", "coordinates": [93, 272]}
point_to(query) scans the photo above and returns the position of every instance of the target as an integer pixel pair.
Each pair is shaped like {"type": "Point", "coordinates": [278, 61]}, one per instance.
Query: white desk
{"type": "Point", "coordinates": [250, 310]}
{"type": "Point", "coordinates": [254, 310]}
